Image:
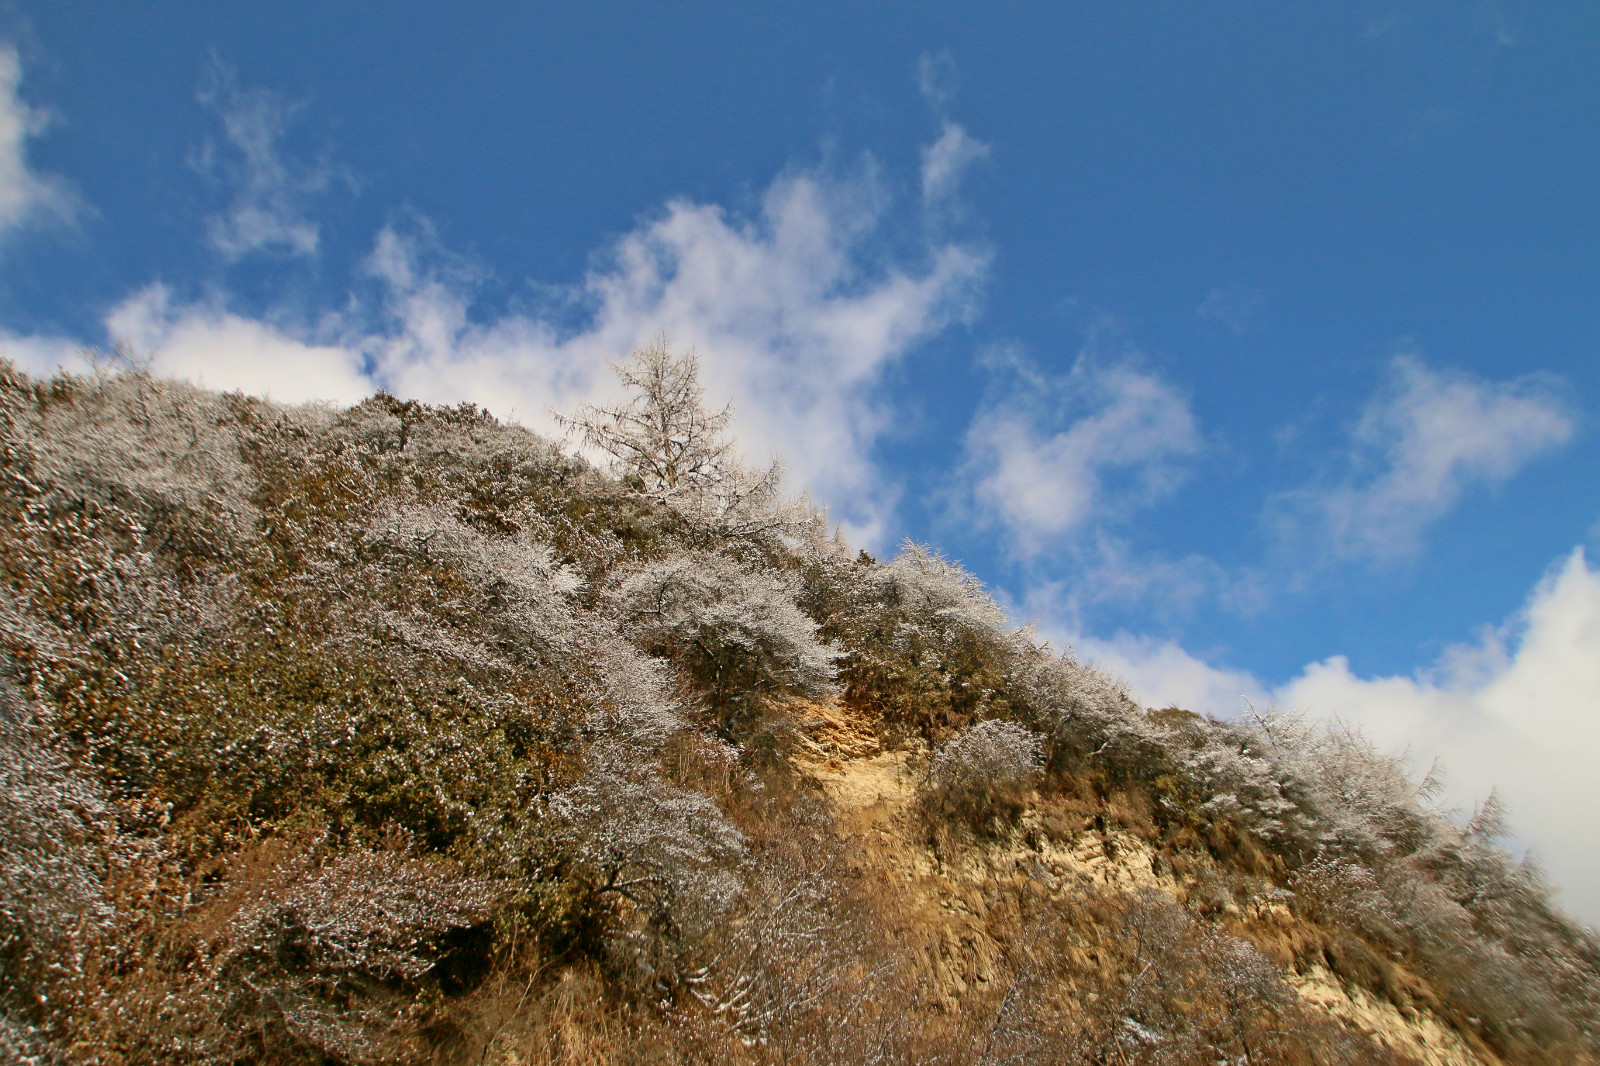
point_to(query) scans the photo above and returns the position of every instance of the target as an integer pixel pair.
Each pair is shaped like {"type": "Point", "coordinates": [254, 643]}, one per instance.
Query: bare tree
{"type": "Point", "coordinates": [663, 435]}
{"type": "Point", "coordinates": [673, 450]}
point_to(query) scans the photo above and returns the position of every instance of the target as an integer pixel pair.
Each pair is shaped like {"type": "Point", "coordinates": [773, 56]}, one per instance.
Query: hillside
{"type": "Point", "coordinates": [395, 734]}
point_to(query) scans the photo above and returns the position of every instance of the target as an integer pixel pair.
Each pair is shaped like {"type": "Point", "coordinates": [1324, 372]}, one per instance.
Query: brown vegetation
{"type": "Point", "coordinates": [397, 735]}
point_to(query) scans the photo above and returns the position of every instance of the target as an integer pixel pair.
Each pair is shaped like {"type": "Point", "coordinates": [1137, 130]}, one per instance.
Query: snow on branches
{"type": "Point", "coordinates": [673, 451]}
{"type": "Point", "coordinates": [736, 633]}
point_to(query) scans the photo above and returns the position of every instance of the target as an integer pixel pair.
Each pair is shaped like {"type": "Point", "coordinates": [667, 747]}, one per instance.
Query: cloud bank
{"type": "Point", "coordinates": [789, 309]}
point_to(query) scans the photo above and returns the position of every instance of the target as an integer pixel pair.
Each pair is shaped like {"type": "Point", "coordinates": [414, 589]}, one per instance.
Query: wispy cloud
{"type": "Point", "coordinates": [1427, 439]}
{"type": "Point", "coordinates": [952, 154]}
{"type": "Point", "coordinates": [1238, 307]}
{"type": "Point", "coordinates": [792, 308]}
{"type": "Point", "coordinates": [1487, 20]}
{"type": "Point", "coordinates": [1050, 454]}
{"type": "Point", "coordinates": [1496, 25]}
{"type": "Point", "coordinates": [946, 159]}
{"type": "Point", "coordinates": [268, 190]}
{"type": "Point", "coordinates": [936, 78]}
{"type": "Point", "coordinates": [26, 196]}
{"type": "Point", "coordinates": [1103, 569]}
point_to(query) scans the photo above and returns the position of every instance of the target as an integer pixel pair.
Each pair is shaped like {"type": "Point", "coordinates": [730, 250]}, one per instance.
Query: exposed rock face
{"type": "Point", "coordinates": [875, 795]}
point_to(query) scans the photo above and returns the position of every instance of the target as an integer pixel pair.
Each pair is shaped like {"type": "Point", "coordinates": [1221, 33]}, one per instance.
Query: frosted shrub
{"type": "Point", "coordinates": [299, 955]}
{"type": "Point", "coordinates": [669, 852]}
{"type": "Point", "coordinates": [172, 448]}
{"type": "Point", "coordinates": [982, 775]}
{"type": "Point", "coordinates": [52, 823]}
{"type": "Point", "coordinates": [735, 633]}
{"type": "Point", "coordinates": [1081, 708]}
{"type": "Point", "coordinates": [925, 642]}
{"type": "Point", "coordinates": [937, 597]}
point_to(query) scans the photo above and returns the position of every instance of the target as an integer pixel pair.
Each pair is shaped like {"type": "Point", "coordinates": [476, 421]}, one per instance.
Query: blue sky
{"type": "Point", "coordinates": [1252, 347]}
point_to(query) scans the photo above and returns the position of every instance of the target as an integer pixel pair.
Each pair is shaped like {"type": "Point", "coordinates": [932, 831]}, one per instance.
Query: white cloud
{"type": "Point", "coordinates": [788, 309]}
{"type": "Point", "coordinates": [1049, 455]}
{"type": "Point", "coordinates": [43, 356]}
{"type": "Point", "coordinates": [25, 196]}
{"type": "Point", "coordinates": [945, 160]}
{"type": "Point", "coordinates": [1161, 673]}
{"type": "Point", "coordinates": [782, 308]}
{"type": "Point", "coordinates": [948, 158]}
{"type": "Point", "coordinates": [1419, 446]}
{"type": "Point", "coordinates": [221, 350]}
{"type": "Point", "coordinates": [1106, 569]}
{"type": "Point", "coordinates": [269, 192]}
{"type": "Point", "coordinates": [1518, 710]}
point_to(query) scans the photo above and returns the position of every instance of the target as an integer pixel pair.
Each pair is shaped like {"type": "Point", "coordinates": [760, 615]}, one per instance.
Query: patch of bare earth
{"type": "Point", "coordinates": [951, 901]}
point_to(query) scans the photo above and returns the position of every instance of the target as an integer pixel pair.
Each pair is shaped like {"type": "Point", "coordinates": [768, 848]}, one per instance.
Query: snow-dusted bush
{"type": "Point", "coordinates": [53, 824]}
{"type": "Point", "coordinates": [670, 852]}
{"type": "Point", "coordinates": [924, 644]}
{"type": "Point", "coordinates": [982, 774]}
{"type": "Point", "coordinates": [301, 952]}
{"type": "Point", "coordinates": [936, 598]}
{"type": "Point", "coordinates": [734, 632]}
{"type": "Point", "coordinates": [165, 448]}
{"type": "Point", "coordinates": [1081, 708]}
{"type": "Point", "coordinates": [791, 943]}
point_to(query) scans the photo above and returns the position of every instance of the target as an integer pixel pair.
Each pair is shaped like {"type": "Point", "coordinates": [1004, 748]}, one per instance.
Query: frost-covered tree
{"type": "Point", "coordinates": [666, 443]}
{"type": "Point", "coordinates": [662, 435]}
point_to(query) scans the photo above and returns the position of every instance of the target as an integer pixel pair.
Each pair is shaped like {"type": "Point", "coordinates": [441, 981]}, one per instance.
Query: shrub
{"type": "Point", "coordinates": [981, 776]}
{"type": "Point", "coordinates": [734, 633]}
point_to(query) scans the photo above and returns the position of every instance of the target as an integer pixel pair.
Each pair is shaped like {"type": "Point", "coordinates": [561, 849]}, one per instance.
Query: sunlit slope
{"type": "Point", "coordinates": [396, 734]}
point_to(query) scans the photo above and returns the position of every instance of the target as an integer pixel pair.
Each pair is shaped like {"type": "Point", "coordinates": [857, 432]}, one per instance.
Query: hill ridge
{"type": "Point", "coordinates": [396, 734]}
